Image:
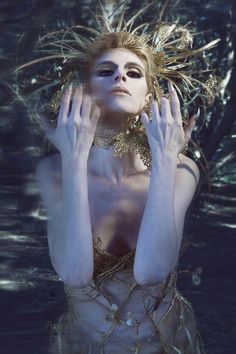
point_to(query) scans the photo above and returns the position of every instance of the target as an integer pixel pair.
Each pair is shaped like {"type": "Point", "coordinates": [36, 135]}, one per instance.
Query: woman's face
{"type": "Point", "coordinates": [118, 82]}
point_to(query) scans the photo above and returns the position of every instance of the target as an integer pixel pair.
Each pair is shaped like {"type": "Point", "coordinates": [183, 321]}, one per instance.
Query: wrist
{"type": "Point", "coordinates": [166, 158]}
{"type": "Point", "coordinates": [72, 164]}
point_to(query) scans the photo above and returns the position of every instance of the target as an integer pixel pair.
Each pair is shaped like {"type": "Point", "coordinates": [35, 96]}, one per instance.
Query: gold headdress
{"type": "Point", "coordinates": [167, 49]}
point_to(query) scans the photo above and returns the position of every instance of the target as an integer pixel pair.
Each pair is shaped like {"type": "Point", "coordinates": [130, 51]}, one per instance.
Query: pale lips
{"type": "Point", "coordinates": [119, 91]}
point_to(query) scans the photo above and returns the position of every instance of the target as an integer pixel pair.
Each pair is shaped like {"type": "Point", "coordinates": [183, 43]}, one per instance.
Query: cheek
{"type": "Point", "coordinates": [93, 88]}
{"type": "Point", "coordinates": [142, 93]}
{"type": "Point", "coordinates": [141, 87]}
{"type": "Point", "coordinates": [96, 87]}
{"type": "Point", "coordinates": [100, 94]}
{"type": "Point", "coordinates": [98, 90]}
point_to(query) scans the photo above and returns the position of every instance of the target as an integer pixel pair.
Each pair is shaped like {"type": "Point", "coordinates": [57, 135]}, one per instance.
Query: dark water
{"type": "Point", "coordinates": [31, 296]}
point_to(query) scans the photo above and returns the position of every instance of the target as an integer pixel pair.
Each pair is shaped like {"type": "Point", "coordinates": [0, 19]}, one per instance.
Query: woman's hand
{"type": "Point", "coordinates": [165, 130]}
{"type": "Point", "coordinates": [75, 129]}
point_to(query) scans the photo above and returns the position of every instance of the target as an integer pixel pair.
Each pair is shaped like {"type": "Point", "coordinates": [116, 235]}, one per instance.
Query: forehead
{"type": "Point", "coordinates": [120, 56]}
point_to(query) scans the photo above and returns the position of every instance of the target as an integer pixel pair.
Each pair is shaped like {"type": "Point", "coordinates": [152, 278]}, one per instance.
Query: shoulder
{"type": "Point", "coordinates": [188, 167]}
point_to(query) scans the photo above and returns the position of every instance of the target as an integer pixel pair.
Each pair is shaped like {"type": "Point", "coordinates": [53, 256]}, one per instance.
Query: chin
{"type": "Point", "coordinates": [122, 112]}
{"type": "Point", "coordinates": [119, 108]}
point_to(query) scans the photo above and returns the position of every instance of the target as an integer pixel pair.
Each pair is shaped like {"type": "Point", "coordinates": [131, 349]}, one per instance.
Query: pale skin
{"type": "Point", "coordinates": [69, 181]}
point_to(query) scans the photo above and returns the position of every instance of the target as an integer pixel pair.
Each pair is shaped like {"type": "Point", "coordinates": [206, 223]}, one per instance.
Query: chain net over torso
{"type": "Point", "coordinates": [169, 317]}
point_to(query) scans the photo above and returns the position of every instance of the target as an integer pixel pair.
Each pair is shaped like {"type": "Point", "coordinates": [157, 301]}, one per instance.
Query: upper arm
{"type": "Point", "coordinates": [49, 188]}
{"type": "Point", "coordinates": [50, 192]}
{"type": "Point", "coordinates": [187, 178]}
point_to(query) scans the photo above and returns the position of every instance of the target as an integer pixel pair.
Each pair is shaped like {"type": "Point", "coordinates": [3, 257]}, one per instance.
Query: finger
{"type": "Point", "coordinates": [64, 107]}
{"type": "Point", "coordinates": [175, 103]}
{"type": "Point", "coordinates": [86, 107]}
{"type": "Point", "coordinates": [46, 126]}
{"type": "Point", "coordinates": [145, 119]}
{"type": "Point", "coordinates": [165, 110]}
{"type": "Point", "coordinates": [151, 132]}
{"type": "Point", "coordinates": [95, 114]}
{"type": "Point", "coordinates": [189, 128]}
{"type": "Point", "coordinates": [155, 112]}
{"type": "Point", "coordinates": [76, 104]}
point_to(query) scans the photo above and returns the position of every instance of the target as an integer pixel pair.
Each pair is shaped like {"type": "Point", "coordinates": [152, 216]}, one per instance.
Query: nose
{"type": "Point", "coordinates": [119, 76]}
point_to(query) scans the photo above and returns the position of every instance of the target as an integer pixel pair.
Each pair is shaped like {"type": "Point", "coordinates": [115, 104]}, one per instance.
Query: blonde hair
{"type": "Point", "coordinates": [128, 41]}
{"type": "Point", "coordinates": [165, 48]}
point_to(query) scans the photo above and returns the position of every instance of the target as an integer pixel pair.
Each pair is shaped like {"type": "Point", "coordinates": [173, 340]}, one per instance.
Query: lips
{"type": "Point", "coordinates": [120, 89]}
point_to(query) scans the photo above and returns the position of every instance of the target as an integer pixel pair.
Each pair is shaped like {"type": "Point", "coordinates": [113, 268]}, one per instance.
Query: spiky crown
{"type": "Point", "coordinates": [165, 48]}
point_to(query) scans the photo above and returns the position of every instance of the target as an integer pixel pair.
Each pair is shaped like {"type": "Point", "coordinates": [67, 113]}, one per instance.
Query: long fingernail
{"type": "Point", "coordinates": [170, 86]}
{"type": "Point", "coordinates": [197, 115]}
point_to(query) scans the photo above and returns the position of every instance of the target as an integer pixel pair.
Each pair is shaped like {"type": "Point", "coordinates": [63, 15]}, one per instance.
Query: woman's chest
{"type": "Point", "coordinates": [116, 212]}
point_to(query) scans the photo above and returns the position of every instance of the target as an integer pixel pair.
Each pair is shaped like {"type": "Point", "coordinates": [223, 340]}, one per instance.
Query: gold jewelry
{"type": "Point", "coordinates": [148, 108]}
{"type": "Point", "coordinates": [104, 136]}
{"type": "Point", "coordinates": [55, 102]}
{"type": "Point", "coordinates": [169, 45]}
{"type": "Point", "coordinates": [132, 139]}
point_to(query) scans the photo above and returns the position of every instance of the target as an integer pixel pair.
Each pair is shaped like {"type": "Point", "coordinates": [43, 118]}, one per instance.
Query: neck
{"type": "Point", "coordinates": [103, 163]}
{"type": "Point", "coordinates": [113, 119]}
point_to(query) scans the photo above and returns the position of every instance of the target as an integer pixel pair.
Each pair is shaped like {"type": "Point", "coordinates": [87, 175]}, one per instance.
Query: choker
{"type": "Point", "coordinates": [131, 139]}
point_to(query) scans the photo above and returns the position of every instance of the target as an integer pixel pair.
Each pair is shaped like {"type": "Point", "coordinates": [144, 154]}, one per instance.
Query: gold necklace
{"type": "Point", "coordinates": [124, 141]}
{"type": "Point", "coordinates": [105, 136]}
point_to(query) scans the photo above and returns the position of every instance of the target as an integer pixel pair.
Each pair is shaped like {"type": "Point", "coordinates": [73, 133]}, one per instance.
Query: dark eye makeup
{"type": "Point", "coordinates": [108, 72]}
{"type": "Point", "coordinates": [104, 72]}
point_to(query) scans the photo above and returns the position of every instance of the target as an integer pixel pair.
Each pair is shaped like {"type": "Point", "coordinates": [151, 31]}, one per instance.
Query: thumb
{"type": "Point", "coordinates": [192, 121]}
{"type": "Point", "coordinates": [194, 118]}
{"type": "Point", "coordinates": [95, 114]}
{"type": "Point", "coordinates": [95, 118]}
{"type": "Point", "coordinates": [190, 126]}
{"type": "Point", "coordinates": [144, 119]}
{"type": "Point", "coordinates": [43, 121]}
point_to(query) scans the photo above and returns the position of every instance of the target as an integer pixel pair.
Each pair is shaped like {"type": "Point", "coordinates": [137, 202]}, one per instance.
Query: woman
{"type": "Point", "coordinates": [116, 203]}
{"type": "Point", "coordinates": [137, 214]}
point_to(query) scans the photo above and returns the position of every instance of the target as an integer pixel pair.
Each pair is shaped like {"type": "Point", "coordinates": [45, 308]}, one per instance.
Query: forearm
{"type": "Point", "coordinates": [157, 245]}
{"type": "Point", "coordinates": [73, 248]}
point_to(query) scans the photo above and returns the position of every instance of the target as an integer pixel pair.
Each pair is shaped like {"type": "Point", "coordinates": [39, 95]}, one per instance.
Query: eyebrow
{"type": "Point", "coordinates": [130, 63]}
